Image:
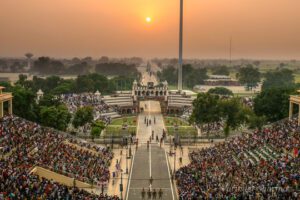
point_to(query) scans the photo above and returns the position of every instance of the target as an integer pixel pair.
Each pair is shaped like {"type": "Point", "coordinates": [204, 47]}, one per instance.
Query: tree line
{"type": "Point", "coordinates": [270, 105]}
{"type": "Point", "coordinates": [49, 111]}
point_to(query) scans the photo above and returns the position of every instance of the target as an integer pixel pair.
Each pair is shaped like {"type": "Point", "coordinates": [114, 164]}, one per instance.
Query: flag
{"type": "Point", "coordinates": [296, 152]}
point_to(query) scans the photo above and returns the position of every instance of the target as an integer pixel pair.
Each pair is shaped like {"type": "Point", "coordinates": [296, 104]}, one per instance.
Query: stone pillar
{"type": "Point", "coordinates": [291, 110]}
{"type": "Point", "coordinates": [1, 109]}
{"type": "Point", "coordinates": [10, 108]}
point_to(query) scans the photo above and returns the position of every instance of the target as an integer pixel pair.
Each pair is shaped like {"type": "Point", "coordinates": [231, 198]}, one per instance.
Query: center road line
{"type": "Point", "coordinates": [129, 180]}
{"type": "Point", "coordinates": [169, 175]}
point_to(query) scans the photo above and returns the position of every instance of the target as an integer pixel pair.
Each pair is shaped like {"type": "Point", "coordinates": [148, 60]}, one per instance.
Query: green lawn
{"type": "Point", "coordinates": [171, 121]}
{"type": "Point", "coordinates": [183, 131]}
{"type": "Point", "coordinates": [118, 131]}
{"type": "Point", "coordinates": [130, 121]}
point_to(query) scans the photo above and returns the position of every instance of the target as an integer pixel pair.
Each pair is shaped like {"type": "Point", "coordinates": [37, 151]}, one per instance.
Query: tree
{"type": "Point", "coordinates": [169, 74]}
{"type": "Point", "coordinates": [24, 103]}
{"type": "Point", "coordinates": [82, 116]}
{"type": "Point", "coordinates": [221, 70]}
{"type": "Point", "coordinates": [234, 114]}
{"type": "Point", "coordinates": [116, 69]}
{"type": "Point", "coordinates": [220, 91]}
{"type": "Point", "coordinates": [206, 109]}
{"type": "Point", "coordinates": [49, 100]}
{"type": "Point", "coordinates": [281, 78]}
{"type": "Point", "coordinates": [249, 76]}
{"type": "Point", "coordinates": [273, 103]}
{"type": "Point", "coordinates": [257, 122]}
{"type": "Point", "coordinates": [97, 128]}
{"type": "Point", "coordinates": [44, 65]}
{"type": "Point", "coordinates": [79, 68]}
{"type": "Point", "coordinates": [56, 117]}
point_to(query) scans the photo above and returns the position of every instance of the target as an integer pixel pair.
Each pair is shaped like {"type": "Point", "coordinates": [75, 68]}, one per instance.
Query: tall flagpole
{"type": "Point", "coordinates": [180, 47]}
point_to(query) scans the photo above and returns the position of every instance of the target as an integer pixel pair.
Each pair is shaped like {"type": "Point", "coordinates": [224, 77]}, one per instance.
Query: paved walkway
{"type": "Point", "coordinates": [146, 76]}
{"type": "Point", "coordinates": [150, 162]}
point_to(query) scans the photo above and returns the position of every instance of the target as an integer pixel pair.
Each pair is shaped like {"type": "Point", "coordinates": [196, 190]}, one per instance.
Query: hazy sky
{"type": "Point", "coordinates": [59, 28]}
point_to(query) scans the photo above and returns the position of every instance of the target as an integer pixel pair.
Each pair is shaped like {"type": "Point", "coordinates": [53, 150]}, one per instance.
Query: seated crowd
{"type": "Point", "coordinates": [262, 165]}
{"type": "Point", "coordinates": [26, 145]}
{"type": "Point", "coordinates": [75, 101]}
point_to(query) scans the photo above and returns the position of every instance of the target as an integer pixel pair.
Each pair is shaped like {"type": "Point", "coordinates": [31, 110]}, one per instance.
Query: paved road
{"type": "Point", "coordinates": [152, 161]}
{"type": "Point", "coordinates": [146, 76]}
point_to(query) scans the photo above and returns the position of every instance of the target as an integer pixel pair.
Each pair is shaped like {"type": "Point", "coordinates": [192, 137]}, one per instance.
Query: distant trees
{"type": "Point", "coordinates": [123, 82]}
{"type": "Point", "coordinates": [92, 83]}
{"type": "Point", "coordinates": [44, 65]}
{"type": "Point", "coordinates": [220, 91]}
{"type": "Point", "coordinates": [169, 74]}
{"type": "Point", "coordinates": [111, 69]}
{"type": "Point", "coordinates": [221, 70]}
{"type": "Point", "coordinates": [79, 68]}
{"type": "Point", "coordinates": [281, 78]}
{"type": "Point", "coordinates": [191, 76]}
{"type": "Point", "coordinates": [249, 76]}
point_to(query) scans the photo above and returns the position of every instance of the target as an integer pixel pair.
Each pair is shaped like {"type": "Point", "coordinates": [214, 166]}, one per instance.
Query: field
{"type": "Point", "coordinates": [171, 121]}
{"type": "Point", "coordinates": [118, 131]}
{"type": "Point", "coordinates": [116, 128]}
{"type": "Point", "coordinates": [184, 129]}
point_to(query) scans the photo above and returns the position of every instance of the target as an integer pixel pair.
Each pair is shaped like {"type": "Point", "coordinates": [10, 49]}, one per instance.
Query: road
{"type": "Point", "coordinates": [150, 162]}
{"type": "Point", "coordinates": [146, 76]}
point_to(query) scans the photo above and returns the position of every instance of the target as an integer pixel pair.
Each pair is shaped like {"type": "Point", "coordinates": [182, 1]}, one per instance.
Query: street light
{"type": "Point", "coordinates": [121, 186]}
{"type": "Point", "coordinates": [126, 161]}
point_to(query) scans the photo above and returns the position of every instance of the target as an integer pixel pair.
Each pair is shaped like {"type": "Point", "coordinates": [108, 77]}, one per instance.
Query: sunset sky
{"type": "Point", "coordinates": [118, 28]}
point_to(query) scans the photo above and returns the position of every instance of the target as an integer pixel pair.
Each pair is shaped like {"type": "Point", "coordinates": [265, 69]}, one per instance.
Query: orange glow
{"type": "Point", "coordinates": [148, 19]}
{"type": "Point", "coordinates": [117, 28]}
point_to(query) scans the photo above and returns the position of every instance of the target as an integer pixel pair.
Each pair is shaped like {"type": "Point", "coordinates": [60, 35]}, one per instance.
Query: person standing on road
{"type": "Point", "coordinates": [143, 193]}
{"type": "Point", "coordinates": [154, 193]}
{"type": "Point", "coordinates": [149, 193]}
{"type": "Point", "coordinates": [160, 193]}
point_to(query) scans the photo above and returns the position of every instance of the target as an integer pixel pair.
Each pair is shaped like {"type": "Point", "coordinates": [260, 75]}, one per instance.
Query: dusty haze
{"type": "Point", "coordinates": [259, 28]}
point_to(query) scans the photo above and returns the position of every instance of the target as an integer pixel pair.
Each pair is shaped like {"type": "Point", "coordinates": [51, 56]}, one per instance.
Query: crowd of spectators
{"type": "Point", "coordinates": [75, 101]}
{"type": "Point", "coordinates": [26, 144]}
{"type": "Point", "coordinates": [260, 165]}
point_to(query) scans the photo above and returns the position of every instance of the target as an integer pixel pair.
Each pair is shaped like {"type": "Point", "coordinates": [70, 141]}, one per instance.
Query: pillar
{"type": "Point", "coordinates": [291, 110]}
{"type": "Point", "coordinates": [10, 109]}
{"type": "Point", "coordinates": [1, 109]}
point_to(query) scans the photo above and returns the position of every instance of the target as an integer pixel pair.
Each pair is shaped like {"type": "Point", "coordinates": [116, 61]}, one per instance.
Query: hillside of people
{"type": "Point", "coordinates": [263, 164]}
{"type": "Point", "coordinates": [25, 145]}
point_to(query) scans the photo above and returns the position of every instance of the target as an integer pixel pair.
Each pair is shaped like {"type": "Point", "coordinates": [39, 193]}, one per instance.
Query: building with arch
{"type": "Point", "coordinates": [5, 102]}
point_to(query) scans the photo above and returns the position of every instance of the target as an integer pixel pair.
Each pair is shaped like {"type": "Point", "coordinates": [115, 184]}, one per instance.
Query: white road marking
{"type": "Point", "coordinates": [129, 180]}
{"type": "Point", "coordinates": [150, 128]}
{"type": "Point", "coordinates": [169, 176]}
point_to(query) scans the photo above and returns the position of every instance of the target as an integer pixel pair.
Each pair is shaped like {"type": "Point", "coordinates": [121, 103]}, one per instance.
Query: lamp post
{"type": "Point", "coordinates": [174, 164]}
{"type": "Point", "coordinates": [121, 186]}
{"type": "Point", "coordinates": [126, 161]}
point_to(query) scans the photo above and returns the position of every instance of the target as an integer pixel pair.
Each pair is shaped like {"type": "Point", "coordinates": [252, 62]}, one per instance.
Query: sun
{"type": "Point", "coordinates": [148, 19]}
